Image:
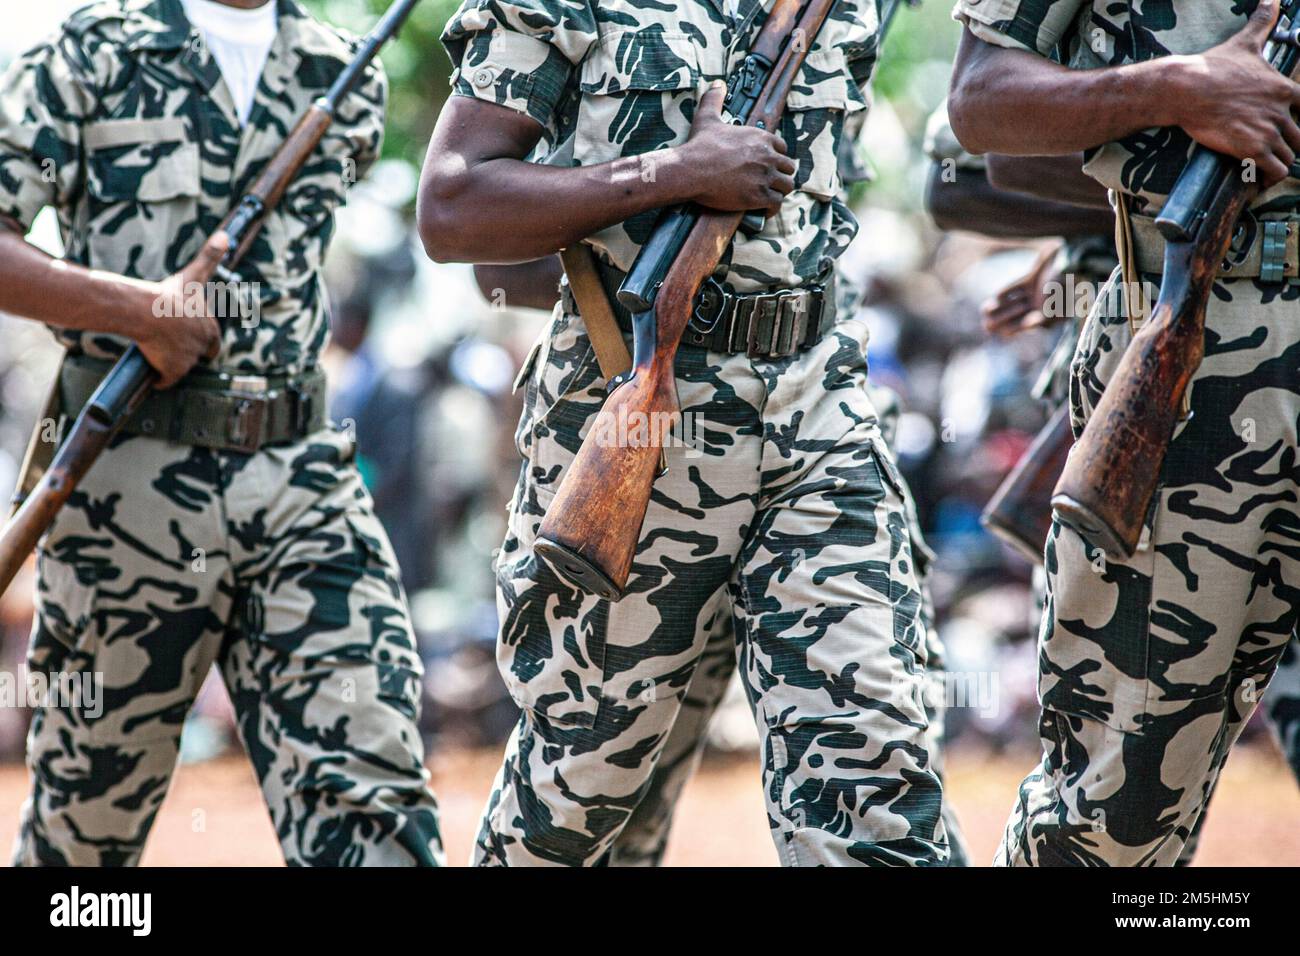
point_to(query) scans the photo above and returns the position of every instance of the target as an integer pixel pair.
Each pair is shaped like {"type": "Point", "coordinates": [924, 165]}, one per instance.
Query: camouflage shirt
{"type": "Point", "coordinates": [1088, 34]}
{"type": "Point", "coordinates": [614, 78]}
{"type": "Point", "coordinates": [123, 124]}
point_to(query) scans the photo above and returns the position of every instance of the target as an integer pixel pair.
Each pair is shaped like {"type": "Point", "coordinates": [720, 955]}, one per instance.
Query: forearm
{"type": "Point", "coordinates": [533, 285]}
{"type": "Point", "coordinates": [35, 286]}
{"type": "Point", "coordinates": [507, 210]}
{"type": "Point", "coordinates": [1059, 179]}
{"type": "Point", "coordinates": [969, 202]}
{"type": "Point", "coordinates": [1013, 102]}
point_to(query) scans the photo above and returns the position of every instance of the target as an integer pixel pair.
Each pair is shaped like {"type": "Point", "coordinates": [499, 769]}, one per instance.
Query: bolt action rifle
{"type": "Point", "coordinates": [1111, 475]}
{"type": "Point", "coordinates": [129, 382]}
{"type": "Point", "coordinates": [591, 530]}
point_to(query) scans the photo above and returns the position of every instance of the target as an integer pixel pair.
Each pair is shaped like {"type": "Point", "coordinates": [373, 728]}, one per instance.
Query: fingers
{"type": "Point", "coordinates": [1290, 131]}
{"type": "Point", "coordinates": [1272, 170]}
{"type": "Point", "coordinates": [213, 331]}
{"type": "Point", "coordinates": [1260, 24]}
{"type": "Point", "coordinates": [209, 257]}
{"type": "Point", "coordinates": [711, 102]}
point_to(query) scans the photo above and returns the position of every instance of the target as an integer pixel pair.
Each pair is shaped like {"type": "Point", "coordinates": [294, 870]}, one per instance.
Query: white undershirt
{"type": "Point", "coordinates": [240, 41]}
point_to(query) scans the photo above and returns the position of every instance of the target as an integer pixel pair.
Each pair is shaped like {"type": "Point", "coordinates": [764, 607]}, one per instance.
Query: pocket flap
{"type": "Point", "coordinates": [141, 160]}
{"type": "Point", "coordinates": [646, 59]}
{"type": "Point", "coordinates": [824, 82]}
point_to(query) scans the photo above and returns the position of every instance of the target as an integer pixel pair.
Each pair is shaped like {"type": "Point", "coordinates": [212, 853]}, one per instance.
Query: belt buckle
{"type": "Point", "coordinates": [248, 422]}
{"type": "Point", "coordinates": [248, 384]}
{"type": "Point", "coordinates": [764, 325]}
{"type": "Point", "coordinates": [1273, 251]}
{"type": "Point", "coordinates": [300, 409]}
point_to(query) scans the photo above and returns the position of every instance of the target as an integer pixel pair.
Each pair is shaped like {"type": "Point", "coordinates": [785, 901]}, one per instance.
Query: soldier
{"type": "Point", "coordinates": [1040, 194]}
{"type": "Point", "coordinates": [788, 512]}
{"type": "Point", "coordinates": [1150, 667]}
{"type": "Point", "coordinates": [644, 838]}
{"type": "Point", "coordinates": [195, 539]}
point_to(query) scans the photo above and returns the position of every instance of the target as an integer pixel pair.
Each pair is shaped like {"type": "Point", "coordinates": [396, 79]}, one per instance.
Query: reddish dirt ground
{"type": "Point", "coordinates": [214, 814]}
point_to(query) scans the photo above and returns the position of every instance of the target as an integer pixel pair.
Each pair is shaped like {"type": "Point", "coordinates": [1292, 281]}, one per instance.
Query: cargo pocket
{"type": "Point", "coordinates": [63, 651]}
{"type": "Point", "coordinates": [909, 627]}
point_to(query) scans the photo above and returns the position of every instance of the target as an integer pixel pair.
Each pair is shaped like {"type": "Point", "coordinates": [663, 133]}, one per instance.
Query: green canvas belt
{"type": "Point", "coordinates": [222, 410]}
{"type": "Point", "coordinates": [1268, 250]}
{"type": "Point", "coordinates": [761, 325]}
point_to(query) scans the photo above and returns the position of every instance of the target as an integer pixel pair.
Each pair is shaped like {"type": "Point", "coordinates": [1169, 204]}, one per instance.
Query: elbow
{"type": "Point", "coordinates": [436, 233]}
{"type": "Point", "coordinates": [964, 117]}
{"type": "Point", "coordinates": [439, 220]}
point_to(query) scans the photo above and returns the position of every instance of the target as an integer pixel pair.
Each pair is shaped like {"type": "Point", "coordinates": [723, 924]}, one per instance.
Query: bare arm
{"type": "Point", "coordinates": [481, 202]}
{"type": "Point", "coordinates": [1058, 179]}
{"type": "Point", "coordinates": [35, 286]}
{"type": "Point", "coordinates": [971, 201]}
{"type": "Point", "coordinates": [531, 285]}
{"type": "Point", "coordinates": [1228, 98]}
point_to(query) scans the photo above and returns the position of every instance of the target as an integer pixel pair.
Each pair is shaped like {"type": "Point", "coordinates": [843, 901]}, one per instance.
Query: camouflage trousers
{"type": "Point", "coordinates": [644, 838]}
{"type": "Point", "coordinates": [273, 566]}
{"type": "Point", "coordinates": [1149, 668]}
{"type": "Point", "coordinates": [786, 513]}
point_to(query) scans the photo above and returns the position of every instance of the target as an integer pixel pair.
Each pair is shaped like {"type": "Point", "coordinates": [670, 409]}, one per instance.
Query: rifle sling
{"type": "Point", "coordinates": [593, 305]}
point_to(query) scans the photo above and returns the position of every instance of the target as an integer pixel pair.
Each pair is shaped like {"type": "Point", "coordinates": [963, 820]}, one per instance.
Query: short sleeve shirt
{"type": "Point", "coordinates": [607, 79]}
{"type": "Point", "coordinates": [1088, 34]}
{"type": "Point", "coordinates": [121, 122]}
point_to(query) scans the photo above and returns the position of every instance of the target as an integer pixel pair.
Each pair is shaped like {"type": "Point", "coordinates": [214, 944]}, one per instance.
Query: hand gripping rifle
{"type": "Point", "coordinates": [129, 381]}
{"type": "Point", "coordinates": [591, 530]}
{"type": "Point", "coordinates": [1111, 475]}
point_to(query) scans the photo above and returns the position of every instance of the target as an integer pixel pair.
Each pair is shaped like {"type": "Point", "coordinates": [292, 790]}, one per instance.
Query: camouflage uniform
{"type": "Point", "coordinates": [1150, 667]}
{"type": "Point", "coordinates": [171, 557]}
{"type": "Point", "coordinates": [792, 519]}
{"type": "Point", "coordinates": [644, 837]}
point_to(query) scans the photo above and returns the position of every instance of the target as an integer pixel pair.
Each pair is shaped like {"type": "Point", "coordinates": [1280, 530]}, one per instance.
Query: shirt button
{"type": "Point", "coordinates": [483, 78]}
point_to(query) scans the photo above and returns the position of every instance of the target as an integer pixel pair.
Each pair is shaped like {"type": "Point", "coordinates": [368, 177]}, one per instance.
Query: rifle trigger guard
{"type": "Point", "coordinates": [709, 305]}
{"type": "Point", "coordinates": [1242, 240]}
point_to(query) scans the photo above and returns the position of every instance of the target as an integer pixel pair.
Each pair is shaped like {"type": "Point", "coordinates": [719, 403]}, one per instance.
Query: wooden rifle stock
{"type": "Point", "coordinates": [129, 381]}
{"type": "Point", "coordinates": [1020, 511]}
{"type": "Point", "coordinates": [1111, 475]}
{"type": "Point", "coordinates": [591, 530]}
{"type": "Point", "coordinates": [1113, 471]}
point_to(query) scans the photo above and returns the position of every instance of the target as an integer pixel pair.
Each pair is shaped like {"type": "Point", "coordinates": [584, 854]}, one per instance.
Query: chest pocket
{"type": "Point", "coordinates": [813, 124]}
{"type": "Point", "coordinates": [635, 85]}
{"type": "Point", "coordinates": [143, 187]}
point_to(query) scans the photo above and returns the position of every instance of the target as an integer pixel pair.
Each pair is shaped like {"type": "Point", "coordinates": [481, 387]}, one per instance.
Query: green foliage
{"type": "Point", "coordinates": [912, 73]}
{"type": "Point", "coordinates": [417, 67]}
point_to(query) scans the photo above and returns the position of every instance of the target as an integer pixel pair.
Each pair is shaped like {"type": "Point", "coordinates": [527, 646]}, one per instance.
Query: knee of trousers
{"type": "Point", "coordinates": [92, 802]}
{"type": "Point", "coordinates": [1103, 796]}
